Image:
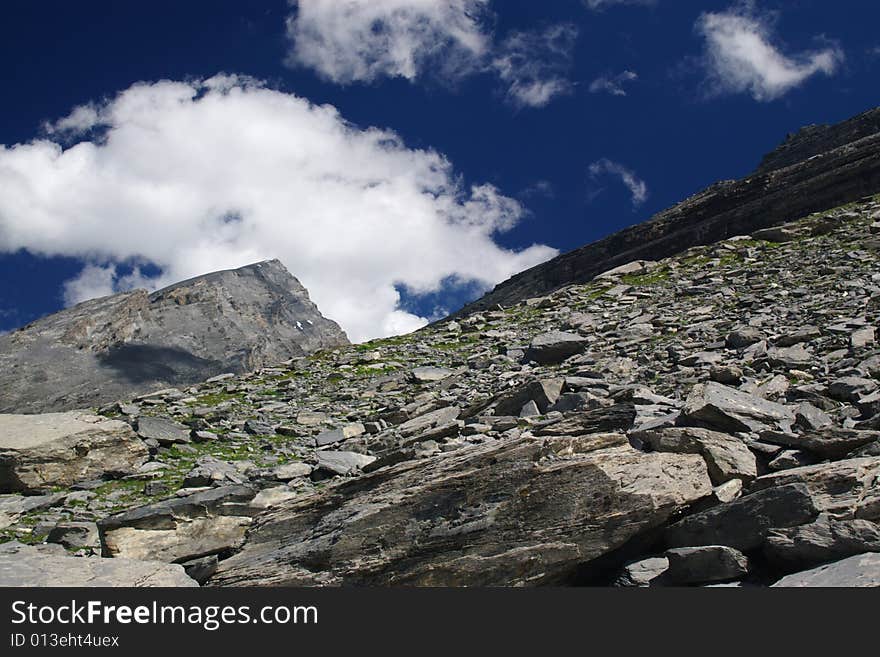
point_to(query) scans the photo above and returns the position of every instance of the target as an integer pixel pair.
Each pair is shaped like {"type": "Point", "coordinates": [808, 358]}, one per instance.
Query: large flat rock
{"type": "Point", "coordinates": [23, 565]}
{"type": "Point", "coordinates": [519, 512]}
{"type": "Point", "coordinates": [39, 452]}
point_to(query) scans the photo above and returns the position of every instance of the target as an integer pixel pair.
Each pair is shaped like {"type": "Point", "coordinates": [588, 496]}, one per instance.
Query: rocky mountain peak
{"type": "Point", "coordinates": [125, 344]}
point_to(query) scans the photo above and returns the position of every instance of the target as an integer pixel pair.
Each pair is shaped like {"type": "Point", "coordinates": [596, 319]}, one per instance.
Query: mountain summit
{"type": "Point", "coordinates": [131, 343]}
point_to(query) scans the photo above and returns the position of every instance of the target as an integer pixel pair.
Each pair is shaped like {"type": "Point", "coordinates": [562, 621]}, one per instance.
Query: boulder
{"type": "Point", "coordinates": [39, 452]}
{"type": "Point", "coordinates": [845, 489]}
{"type": "Point", "coordinates": [618, 417]}
{"type": "Point", "coordinates": [862, 571]}
{"type": "Point", "coordinates": [164, 431]}
{"type": "Point", "coordinates": [555, 347]}
{"type": "Point", "coordinates": [74, 535]}
{"type": "Point", "coordinates": [727, 457]}
{"type": "Point", "coordinates": [210, 471]}
{"type": "Point", "coordinates": [826, 539]}
{"type": "Point", "coordinates": [745, 523]}
{"type": "Point", "coordinates": [430, 374]}
{"type": "Point", "coordinates": [718, 407]}
{"type": "Point", "coordinates": [642, 573]}
{"type": "Point", "coordinates": [343, 463]}
{"type": "Point", "coordinates": [516, 512]}
{"type": "Point", "coordinates": [544, 393]}
{"type": "Point", "coordinates": [180, 529]}
{"type": "Point", "coordinates": [704, 565]}
{"type": "Point", "coordinates": [442, 417]}
{"type": "Point", "coordinates": [25, 566]}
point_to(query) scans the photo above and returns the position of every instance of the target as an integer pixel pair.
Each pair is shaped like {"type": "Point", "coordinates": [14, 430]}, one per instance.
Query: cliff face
{"type": "Point", "coordinates": [817, 139]}
{"type": "Point", "coordinates": [130, 343]}
{"type": "Point", "coordinates": [818, 168]}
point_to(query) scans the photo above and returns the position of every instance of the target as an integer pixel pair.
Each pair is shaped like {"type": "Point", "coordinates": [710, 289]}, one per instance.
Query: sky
{"type": "Point", "coordinates": [400, 157]}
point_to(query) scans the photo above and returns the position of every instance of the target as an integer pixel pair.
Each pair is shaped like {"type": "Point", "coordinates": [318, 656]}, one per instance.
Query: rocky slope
{"type": "Point", "coordinates": [818, 168]}
{"type": "Point", "coordinates": [132, 343]}
{"type": "Point", "coordinates": [708, 418]}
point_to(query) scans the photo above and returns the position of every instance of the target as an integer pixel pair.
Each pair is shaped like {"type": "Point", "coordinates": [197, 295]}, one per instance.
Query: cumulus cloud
{"type": "Point", "coordinates": [534, 81]}
{"type": "Point", "coordinates": [199, 176]}
{"type": "Point", "coordinates": [636, 186]}
{"type": "Point", "coordinates": [360, 40]}
{"type": "Point", "coordinates": [364, 40]}
{"type": "Point", "coordinates": [613, 84]}
{"type": "Point", "coordinates": [741, 56]}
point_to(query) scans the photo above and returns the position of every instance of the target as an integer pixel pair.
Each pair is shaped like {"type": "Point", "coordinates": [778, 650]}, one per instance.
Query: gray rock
{"type": "Point", "coordinates": [74, 535]}
{"type": "Point", "coordinates": [163, 430]}
{"type": "Point", "coordinates": [329, 438]}
{"type": "Point", "coordinates": [862, 571]}
{"type": "Point", "coordinates": [209, 471]}
{"type": "Point", "coordinates": [555, 347]}
{"type": "Point", "coordinates": [259, 428]}
{"type": "Point", "coordinates": [180, 529]}
{"type": "Point", "coordinates": [24, 566]}
{"type": "Point", "coordinates": [846, 489]}
{"type": "Point", "coordinates": [530, 409]}
{"type": "Point", "coordinates": [743, 337]}
{"type": "Point", "coordinates": [544, 393]}
{"type": "Point", "coordinates": [705, 565]}
{"type": "Point", "coordinates": [809, 417]}
{"type": "Point", "coordinates": [618, 417]}
{"type": "Point", "coordinates": [862, 337]}
{"type": "Point", "coordinates": [490, 514]}
{"type": "Point", "coordinates": [430, 374]}
{"type": "Point", "coordinates": [745, 523]}
{"type": "Point", "coordinates": [201, 569]}
{"type": "Point", "coordinates": [826, 539]}
{"type": "Point", "coordinates": [442, 417]}
{"type": "Point", "coordinates": [727, 457]}
{"type": "Point", "coordinates": [38, 452]}
{"type": "Point", "coordinates": [851, 388]}
{"type": "Point", "coordinates": [343, 463]}
{"type": "Point", "coordinates": [728, 410]}
{"type": "Point", "coordinates": [290, 471]}
{"type": "Point", "coordinates": [642, 573]}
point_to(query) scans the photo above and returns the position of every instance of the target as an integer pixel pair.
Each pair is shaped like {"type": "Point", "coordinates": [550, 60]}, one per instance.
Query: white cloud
{"type": "Point", "coordinates": [636, 186]}
{"type": "Point", "coordinates": [360, 40]}
{"type": "Point", "coordinates": [364, 40]}
{"type": "Point", "coordinates": [196, 177]}
{"type": "Point", "coordinates": [97, 280]}
{"type": "Point", "coordinates": [602, 4]}
{"type": "Point", "coordinates": [534, 64]}
{"type": "Point", "coordinates": [613, 84]}
{"type": "Point", "coordinates": [741, 56]}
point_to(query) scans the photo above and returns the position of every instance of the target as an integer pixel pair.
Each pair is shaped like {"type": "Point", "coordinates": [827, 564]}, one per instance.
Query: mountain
{"type": "Point", "coordinates": [127, 344]}
{"type": "Point", "coordinates": [711, 417]}
{"type": "Point", "coordinates": [817, 168]}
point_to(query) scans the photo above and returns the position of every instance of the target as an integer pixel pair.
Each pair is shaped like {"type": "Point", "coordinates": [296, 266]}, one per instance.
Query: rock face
{"type": "Point", "coordinates": [122, 345]}
{"type": "Point", "coordinates": [791, 183]}
{"type": "Point", "coordinates": [22, 565]}
{"type": "Point", "coordinates": [522, 512]}
{"type": "Point", "coordinates": [39, 452]}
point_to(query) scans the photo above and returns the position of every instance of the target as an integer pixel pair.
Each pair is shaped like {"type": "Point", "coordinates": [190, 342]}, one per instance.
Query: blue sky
{"type": "Point", "coordinates": [399, 156]}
